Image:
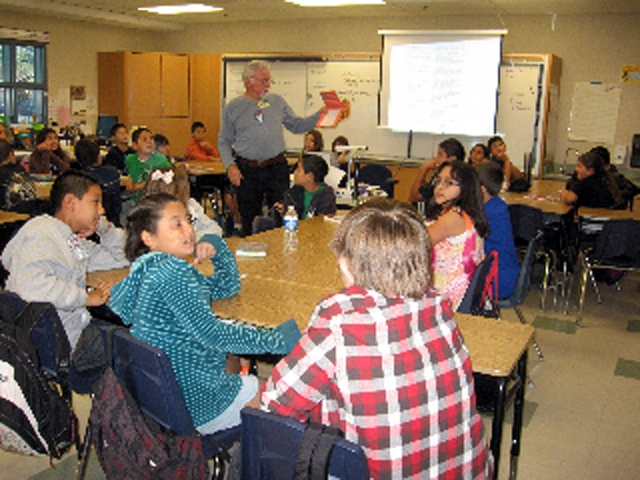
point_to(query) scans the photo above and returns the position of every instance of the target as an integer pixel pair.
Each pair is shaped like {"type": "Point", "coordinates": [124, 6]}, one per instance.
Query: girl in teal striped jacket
{"type": "Point", "coordinates": [167, 302]}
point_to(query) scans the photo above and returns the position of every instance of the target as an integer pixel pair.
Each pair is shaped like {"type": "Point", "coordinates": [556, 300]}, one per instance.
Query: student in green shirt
{"type": "Point", "coordinates": [143, 162]}
{"type": "Point", "coordinates": [310, 195]}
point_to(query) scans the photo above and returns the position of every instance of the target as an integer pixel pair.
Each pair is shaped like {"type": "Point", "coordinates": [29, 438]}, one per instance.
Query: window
{"type": "Point", "coordinates": [23, 82]}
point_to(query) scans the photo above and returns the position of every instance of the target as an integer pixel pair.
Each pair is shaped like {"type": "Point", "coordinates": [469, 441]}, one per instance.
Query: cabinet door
{"type": "Point", "coordinates": [144, 89]}
{"type": "Point", "coordinates": [175, 85]}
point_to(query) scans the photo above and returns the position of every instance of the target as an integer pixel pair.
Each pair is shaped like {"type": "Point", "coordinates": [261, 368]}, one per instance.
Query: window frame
{"type": "Point", "coordinates": [10, 86]}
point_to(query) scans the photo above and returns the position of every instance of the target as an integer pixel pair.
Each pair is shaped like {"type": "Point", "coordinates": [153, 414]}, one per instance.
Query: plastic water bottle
{"type": "Point", "coordinates": [291, 229]}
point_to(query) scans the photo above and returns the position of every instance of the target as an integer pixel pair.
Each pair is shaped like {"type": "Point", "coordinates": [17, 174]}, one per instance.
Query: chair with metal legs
{"type": "Point", "coordinates": [617, 247]}
{"type": "Point", "coordinates": [522, 286]}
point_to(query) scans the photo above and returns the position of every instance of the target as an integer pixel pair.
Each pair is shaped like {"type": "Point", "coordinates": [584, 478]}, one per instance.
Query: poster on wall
{"type": "Point", "coordinates": [594, 112]}
{"type": "Point", "coordinates": [631, 74]}
{"type": "Point", "coordinates": [78, 100]}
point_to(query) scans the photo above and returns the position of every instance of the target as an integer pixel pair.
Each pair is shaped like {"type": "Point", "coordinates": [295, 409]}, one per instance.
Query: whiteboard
{"type": "Point", "coordinates": [354, 81]}
{"type": "Point", "coordinates": [518, 107]}
{"type": "Point", "coordinates": [358, 81]}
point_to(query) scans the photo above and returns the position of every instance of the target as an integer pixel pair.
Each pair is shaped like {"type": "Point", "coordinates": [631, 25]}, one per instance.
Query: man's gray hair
{"type": "Point", "coordinates": [254, 65]}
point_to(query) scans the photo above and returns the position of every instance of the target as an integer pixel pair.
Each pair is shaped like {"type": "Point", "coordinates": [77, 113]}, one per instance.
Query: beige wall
{"type": "Point", "coordinates": [72, 53]}
{"type": "Point", "coordinates": [592, 48]}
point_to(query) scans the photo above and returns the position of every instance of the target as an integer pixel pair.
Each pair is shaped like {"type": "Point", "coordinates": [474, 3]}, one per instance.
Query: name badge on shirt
{"type": "Point", "coordinates": [78, 251]}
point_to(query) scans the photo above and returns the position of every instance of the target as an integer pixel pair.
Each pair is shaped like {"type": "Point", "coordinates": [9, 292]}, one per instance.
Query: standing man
{"type": "Point", "coordinates": [252, 126]}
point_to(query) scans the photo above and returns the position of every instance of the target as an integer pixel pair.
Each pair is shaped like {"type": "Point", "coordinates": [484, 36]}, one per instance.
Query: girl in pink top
{"type": "Point", "coordinates": [458, 230]}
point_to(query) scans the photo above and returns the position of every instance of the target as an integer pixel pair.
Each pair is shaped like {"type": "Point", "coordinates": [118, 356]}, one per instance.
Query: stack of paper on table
{"type": "Point", "coordinates": [251, 249]}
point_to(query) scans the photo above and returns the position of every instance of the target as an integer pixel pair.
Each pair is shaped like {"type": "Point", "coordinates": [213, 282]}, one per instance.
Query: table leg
{"type": "Point", "coordinates": [518, 413]}
{"type": "Point", "coordinates": [498, 419]}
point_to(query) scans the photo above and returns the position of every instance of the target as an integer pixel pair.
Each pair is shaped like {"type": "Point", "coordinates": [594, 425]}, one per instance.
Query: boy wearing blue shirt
{"type": "Point", "coordinates": [500, 236]}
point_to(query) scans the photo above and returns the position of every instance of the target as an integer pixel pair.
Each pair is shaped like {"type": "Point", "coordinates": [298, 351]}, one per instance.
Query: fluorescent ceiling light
{"type": "Point", "coordinates": [334, 3]}
{"type": "Point", "coordinates": [177, 9]}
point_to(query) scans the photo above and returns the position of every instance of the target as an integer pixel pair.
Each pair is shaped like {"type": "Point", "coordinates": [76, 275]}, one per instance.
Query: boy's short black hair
{"type": "Point", "coordinates": [196, 125]}
{"type": "Point", "coordinates": [137, 132]}
{"type": "Point", "coordinates": [87, 152]}
{"type": "Point", "coordinates": [160, 140]}
{"type": "Point", "coordinates": [316, 165]}
{"type": "Point", "coordinates": [491, 176]}
{"type": "Point", "coordinates": [75, 182]}
{"type": "Point", "coordinates": [5, 150]}
{"type": "Point", "coordinates": [115, 128]}
{"type": "Point", "coordinates": [453, 148]}
{"type": "Point", "coordinates": [603, 153]}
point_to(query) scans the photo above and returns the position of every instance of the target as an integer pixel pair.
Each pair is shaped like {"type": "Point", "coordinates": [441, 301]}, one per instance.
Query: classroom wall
{"type": "Point", "coordinates": [592, 48]}
{"type": "Point", "coordinates": [72, 54]}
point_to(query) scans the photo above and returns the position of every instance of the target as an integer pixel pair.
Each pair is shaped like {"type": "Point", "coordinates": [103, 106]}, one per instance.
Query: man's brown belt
{"type": "Point", "coordinates": [280, 158]}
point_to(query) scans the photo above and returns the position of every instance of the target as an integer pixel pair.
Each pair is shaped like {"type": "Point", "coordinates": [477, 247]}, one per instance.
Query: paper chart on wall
{"type": "Point", "coordinates": [594, 112]}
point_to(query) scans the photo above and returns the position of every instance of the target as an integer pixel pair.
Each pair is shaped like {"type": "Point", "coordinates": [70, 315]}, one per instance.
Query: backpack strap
{"type": "Point", "coordinates": [322, 454]}
{"type": "Point", "coordinates": [314, 451]}
{"type": "Point", "coordinates": [306, 449]}
{"type": "Point", "coordinates": [41, 322]}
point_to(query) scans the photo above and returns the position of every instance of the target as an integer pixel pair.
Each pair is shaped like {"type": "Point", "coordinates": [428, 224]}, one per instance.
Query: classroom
{"type": "Point", "coordinates": [582, 420]}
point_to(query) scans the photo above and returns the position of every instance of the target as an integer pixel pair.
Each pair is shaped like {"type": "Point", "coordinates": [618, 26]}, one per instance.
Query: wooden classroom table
{"type": "Point", "coordinates": [43, 187]}
{"type": "Point", "coordinates": [286, 285]}
{"type": "Point", "coordinates": [12, 217]}
{"type": "Point", "coordinates": [543, 194]}
{"type": "Point", "coordinates": [204, 168]}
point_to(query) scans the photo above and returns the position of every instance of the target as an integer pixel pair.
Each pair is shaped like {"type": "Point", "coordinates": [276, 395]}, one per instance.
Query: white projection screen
{"type": "Point", "coordinates": [440, 81]}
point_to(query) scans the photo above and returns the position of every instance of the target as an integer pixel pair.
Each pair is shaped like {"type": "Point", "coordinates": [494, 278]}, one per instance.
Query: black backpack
{"type": "Point", "coordinates": [131, 445]}
{"type": "Point", "coordinates": [35, 415]}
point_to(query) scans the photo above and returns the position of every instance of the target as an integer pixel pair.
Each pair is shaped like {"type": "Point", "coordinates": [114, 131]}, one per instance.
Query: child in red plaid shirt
{"type": "Point", "coordinates": [383, 360]}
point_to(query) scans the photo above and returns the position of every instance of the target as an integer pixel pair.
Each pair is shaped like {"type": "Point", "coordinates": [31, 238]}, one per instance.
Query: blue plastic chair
{"type": "Point", "coordinates": [270, 444]}
{"type": "Point", "coordinates": [147, 373]}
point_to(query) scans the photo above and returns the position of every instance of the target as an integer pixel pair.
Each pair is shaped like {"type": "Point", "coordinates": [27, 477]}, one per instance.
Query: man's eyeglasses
{"type": "Point", "coordinates": [445, 182]}
{"type": "Point", "coordinates": [264, 81]}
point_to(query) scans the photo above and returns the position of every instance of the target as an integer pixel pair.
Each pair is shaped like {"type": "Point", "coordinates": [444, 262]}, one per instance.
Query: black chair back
{"type": "Point", "coordinates": [379, 175]}
{"type": "Point", "coordinates": [618, 244]}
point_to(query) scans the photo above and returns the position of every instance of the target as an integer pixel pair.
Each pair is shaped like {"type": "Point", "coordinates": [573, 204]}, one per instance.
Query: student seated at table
{"type": "Point", "coordinates": [313, 141]}
{"type": "Point", "coordinates": [449, 150]}
{"type": "Point", "coordinates": [479, 153]}
{"type": "Point", "coordinates": [117, 154]}
{"type": "Point", "coordinates": [310, 196]}
{"type": "Point", "coordinates": [498, 153]}
{"type": "Point", "coordinates": [339, 159]}
{"type": "Point", "coordinates": [628, 189]}
{"type": "Point", "coordinates": [383, 360]}
{"type": "Point", "coordinates": [175, 181]}
{"type": "Point", "coordinates": [162, 145]}
{"type": "Point", "coordinates": [17, 190]}
{"type": "Point", "coordinates": [591, 184]}
{"type": "Point", "coordinates": [89, 157]}
{"type": "Point", "coordinates": [48, 158]}
{"type": "Point", "coordinates": [49, 257]}
{"type": "Point", "coordinates": [500, 236]}
{"type": "Point", "coordinates": [198, 148]}
{"type": "Point", "coordinates": [458, 229]}
{"type": "Point", "coordinates": [141, 163]}
{"type": "Point", "coordinates": [168, 304]}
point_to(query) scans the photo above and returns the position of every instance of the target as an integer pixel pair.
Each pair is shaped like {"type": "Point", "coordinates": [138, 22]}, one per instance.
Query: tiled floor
{"type": "Point", "coordinates": [582, 416]}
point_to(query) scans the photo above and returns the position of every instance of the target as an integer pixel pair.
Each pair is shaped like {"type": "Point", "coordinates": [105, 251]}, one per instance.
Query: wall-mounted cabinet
{"type": "Point", "coordinates": [150, 89]}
